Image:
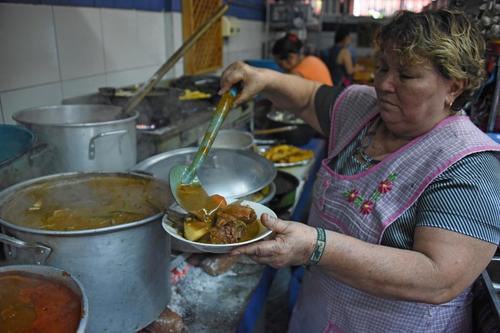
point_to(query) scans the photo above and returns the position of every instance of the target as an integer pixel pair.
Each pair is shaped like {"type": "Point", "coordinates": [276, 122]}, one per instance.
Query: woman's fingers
{"type": "Point", "coordinates": [233, 74]}
{"type": "Point", "coordinates": [275, 224]}
{"type": "Point", "coordinates": [261, 249]}
{"type": "Point", "coordinates": [247, 75]}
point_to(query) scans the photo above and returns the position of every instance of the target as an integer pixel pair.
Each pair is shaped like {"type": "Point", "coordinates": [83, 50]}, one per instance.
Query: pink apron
{"type": "Point", "coordinates": [363, 206]}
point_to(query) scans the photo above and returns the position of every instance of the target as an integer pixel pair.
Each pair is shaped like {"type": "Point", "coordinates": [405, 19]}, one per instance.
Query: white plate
{"type": "Point", "coordinates": [220, 248]}
{"type": "Point", "coordinates": [291, 164]}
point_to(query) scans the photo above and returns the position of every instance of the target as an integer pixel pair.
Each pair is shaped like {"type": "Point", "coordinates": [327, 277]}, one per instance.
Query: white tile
{"type": "Point", "coordinates": [150, 37]}
{"type": "Point", "coordinates": [250, 36]}
{"type": "Point", "coordinates": [120, 39]}
{"type": "Point", "coordinates": [28, 53]}
{"type": "Point", "coordinates": [79, 87]}
{"type": "Point", "coordinates": [131, 76]}
{"type": "Point", "coordinates": [251, 54]}
{"type": "Point", "coordinates": [176, 43]}
{"type": "Point", "coordinates": [15, 100]}
{"type": "Point", "coordinates": [79, 41]}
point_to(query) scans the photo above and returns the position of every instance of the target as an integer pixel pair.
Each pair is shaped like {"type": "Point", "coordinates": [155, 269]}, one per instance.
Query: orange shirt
{"type": "Point", "coordinates": [312, 68]}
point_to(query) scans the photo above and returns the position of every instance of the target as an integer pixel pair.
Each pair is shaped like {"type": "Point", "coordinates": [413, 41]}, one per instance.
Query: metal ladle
{"type": "Point", "coordinates": [186, 175]}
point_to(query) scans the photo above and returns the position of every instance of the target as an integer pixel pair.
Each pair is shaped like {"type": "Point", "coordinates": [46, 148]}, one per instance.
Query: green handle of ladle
{"type": "Point", "coordinates": [225, 105]}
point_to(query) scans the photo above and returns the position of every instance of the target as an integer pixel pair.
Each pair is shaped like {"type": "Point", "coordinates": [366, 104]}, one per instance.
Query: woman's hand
{"type": "Point", "coordinates": [285, 91]}
{"type": "Point", "coordinates": [292, 245]}
{"type": "Point", "coordinates": [253, 80]}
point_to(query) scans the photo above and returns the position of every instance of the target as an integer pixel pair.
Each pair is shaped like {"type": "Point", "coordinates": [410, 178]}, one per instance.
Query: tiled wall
{"type": "Point", "coordinates": [248, 44]}
{"type": "Point", "coordinates": [53, 52]}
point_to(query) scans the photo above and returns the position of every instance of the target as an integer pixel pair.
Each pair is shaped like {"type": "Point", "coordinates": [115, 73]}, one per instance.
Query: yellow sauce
{"type": "Point", "coordinates": [194, 198]}
{"type": "Point", "coordinates": [86, 204]}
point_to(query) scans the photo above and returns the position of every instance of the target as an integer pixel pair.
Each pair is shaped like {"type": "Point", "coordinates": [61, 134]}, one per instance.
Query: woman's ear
{"type": "Point", "coordinates": [456, 89]}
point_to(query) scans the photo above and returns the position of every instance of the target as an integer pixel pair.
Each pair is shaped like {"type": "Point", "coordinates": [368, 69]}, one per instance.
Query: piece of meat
{"type": "Point", "coordinates": [238, 212]}
{"type": "Point", "coordinates": [230, 232]}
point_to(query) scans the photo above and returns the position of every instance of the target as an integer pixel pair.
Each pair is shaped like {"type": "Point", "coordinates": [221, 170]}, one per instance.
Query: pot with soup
{"type": "Point", "coordinates": [44, 299]}
{"type": "Point", "coordinates": [104, 228]}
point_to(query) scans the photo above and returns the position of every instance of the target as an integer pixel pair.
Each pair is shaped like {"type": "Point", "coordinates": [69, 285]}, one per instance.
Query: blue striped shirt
{"type": "Point", "coordinates": [465, 198]}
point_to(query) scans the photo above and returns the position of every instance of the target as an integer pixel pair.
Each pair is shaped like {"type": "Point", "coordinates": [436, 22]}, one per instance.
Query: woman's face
{"type": "Point", "coordinates": [288, 63]}
{"type": "Point", "coordinates": [412, 98]}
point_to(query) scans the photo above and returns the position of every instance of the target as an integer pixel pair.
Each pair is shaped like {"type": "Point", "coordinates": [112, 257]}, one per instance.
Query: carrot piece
{"type": "Point", "coordinates": [219, 200]}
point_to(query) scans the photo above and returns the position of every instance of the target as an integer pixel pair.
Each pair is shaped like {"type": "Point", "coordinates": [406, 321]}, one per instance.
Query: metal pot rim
{"type": "Point", "coordinates": [4, 194]}
{"type": "Point", "coordinates": [16, 117]}
{"type": "Point", "coordinates": [84, 231]}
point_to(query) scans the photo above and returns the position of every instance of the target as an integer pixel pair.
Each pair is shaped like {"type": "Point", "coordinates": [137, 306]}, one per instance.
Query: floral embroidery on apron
{"type": "Point", "coordinates": [366, 205]}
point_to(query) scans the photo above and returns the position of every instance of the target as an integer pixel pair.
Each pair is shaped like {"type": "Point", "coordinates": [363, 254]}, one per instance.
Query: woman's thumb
{"type": "Point", "coordinates": [273, 223]}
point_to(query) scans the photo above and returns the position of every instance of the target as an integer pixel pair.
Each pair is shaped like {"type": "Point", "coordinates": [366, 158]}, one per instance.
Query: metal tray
{"type": "Point", "coordinates": [262, 149]}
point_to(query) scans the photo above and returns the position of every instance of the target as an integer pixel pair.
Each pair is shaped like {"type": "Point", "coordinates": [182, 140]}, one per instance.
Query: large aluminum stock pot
{"type": "Point", "coordinates": [85, 137]}
{"type": "Point", "coordinates": [124, 266]}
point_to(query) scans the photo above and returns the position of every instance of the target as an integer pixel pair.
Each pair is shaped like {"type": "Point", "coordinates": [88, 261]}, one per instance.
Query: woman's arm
{"type": "Point", "coordinates": [287, 92]}
{"type": "Point", "coordinates": [345, 59]}
{"type": "Point", "coordinates": [439, 267]}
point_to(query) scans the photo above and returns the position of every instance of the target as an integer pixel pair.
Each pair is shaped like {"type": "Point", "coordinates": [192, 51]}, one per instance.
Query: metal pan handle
{"type": "Point", "coordinates": [98, 136]}
{"type": "Point", "coordinates": [42, 252]}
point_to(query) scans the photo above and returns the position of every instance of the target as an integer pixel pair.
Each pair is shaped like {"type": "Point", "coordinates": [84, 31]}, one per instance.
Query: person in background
{"type": "Point", "coordinates": [340, 60]}
{"type": "Point", "coordinates": [288, 52]}
{"type": "Point", "coordinates": [406, 206]}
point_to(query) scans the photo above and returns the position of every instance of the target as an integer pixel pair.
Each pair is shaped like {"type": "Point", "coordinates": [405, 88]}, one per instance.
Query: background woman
{"type": "Point", "coordinates": [340, 60]}
{"type": "Point", "coordinates": [288, 53]}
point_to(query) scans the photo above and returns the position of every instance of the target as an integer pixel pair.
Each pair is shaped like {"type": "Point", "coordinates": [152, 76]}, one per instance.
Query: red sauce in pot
{"type": "Point", "coordinates": [31, 303]}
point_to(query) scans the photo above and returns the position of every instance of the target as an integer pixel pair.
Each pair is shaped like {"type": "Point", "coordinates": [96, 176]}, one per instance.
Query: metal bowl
{"type": "Point", "coordinates": [229, 172]}
{"type": "Point", "coordinates": [233, 139]}
{"type": "Point", "coordinates": [60, 276]}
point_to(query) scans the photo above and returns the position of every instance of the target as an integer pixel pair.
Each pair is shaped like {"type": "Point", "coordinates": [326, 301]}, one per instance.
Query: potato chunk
{"type": "Point", "coordinates": [194, 230]}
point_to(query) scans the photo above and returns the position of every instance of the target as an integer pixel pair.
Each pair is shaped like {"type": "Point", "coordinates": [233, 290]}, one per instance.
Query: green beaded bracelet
{"type": "Point", "coordinates": [319, 248]}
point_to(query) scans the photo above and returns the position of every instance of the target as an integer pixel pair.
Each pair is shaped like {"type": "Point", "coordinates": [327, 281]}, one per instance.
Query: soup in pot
{"type": "Point", "coordinates": [32, 303]}
{"type": "Point", "coordinates": [87, 203]}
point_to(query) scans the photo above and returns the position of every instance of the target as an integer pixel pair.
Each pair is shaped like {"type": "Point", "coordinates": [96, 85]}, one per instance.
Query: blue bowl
{"type": "Point", "coordinates": [264, 63]}
{"type": "Point", "coordinates": [14, 142]}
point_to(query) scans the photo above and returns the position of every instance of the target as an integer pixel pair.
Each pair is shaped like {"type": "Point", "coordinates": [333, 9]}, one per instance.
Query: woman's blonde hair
{"type": "Point", "coordinates": [446, 38]}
